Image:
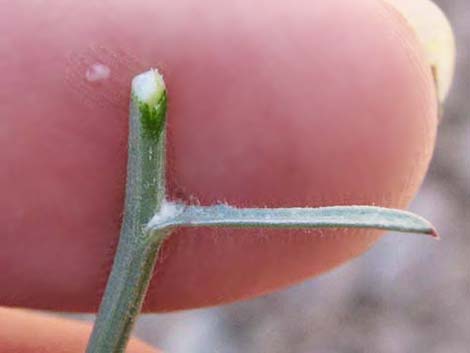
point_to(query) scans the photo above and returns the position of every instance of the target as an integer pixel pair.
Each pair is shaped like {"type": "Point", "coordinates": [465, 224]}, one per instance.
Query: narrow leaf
{"type": "Point", "coordinates": [322, 217]}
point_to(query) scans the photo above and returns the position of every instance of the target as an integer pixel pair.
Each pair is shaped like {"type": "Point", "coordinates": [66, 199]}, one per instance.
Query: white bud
{"type": "Point", "coordinates": [148, 87]}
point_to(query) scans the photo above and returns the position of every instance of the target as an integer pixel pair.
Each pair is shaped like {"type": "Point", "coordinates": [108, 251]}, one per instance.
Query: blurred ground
{"type": "Point", "coordinates": [408, 294]}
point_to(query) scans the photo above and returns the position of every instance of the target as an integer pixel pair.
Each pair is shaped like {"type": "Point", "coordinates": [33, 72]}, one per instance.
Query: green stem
{"type": "Point", "coordinates": [149, 218]}
{"type": "Point", "coordinates": [124, 296]}
{"type": "Point", "coordinates": [138, 249]}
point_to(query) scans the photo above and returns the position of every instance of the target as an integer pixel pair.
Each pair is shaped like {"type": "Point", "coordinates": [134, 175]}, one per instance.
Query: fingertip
{"type": "Point", "coordinates": [26, 331]}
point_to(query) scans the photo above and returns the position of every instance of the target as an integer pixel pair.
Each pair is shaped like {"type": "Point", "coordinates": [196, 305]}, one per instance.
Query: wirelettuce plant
{"type": "Point", "coordinates": [149, 218]}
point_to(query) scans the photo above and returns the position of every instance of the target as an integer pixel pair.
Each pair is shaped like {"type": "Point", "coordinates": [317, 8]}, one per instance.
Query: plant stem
{"type": "Point", "coordinates": [149, 218]}
{"type": "Point", "coordinates": [123, 297]}
{"type": "Point", "coordinates": [137, 250]}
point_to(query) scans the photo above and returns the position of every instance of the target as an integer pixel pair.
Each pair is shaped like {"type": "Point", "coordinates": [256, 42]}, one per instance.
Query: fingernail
{"type": "Point", "coordinates": [436, 35]}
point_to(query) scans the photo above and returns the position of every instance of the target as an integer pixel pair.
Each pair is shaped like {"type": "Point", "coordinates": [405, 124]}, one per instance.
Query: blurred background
{"type": "Point", "coordinates": [408, 294]}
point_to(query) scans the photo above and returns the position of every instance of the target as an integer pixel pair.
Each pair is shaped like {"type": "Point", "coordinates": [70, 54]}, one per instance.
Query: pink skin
{"type": "Point", "coordinates": [321, 103]}
{"type": "Point", "coordinates": [26, 332]}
